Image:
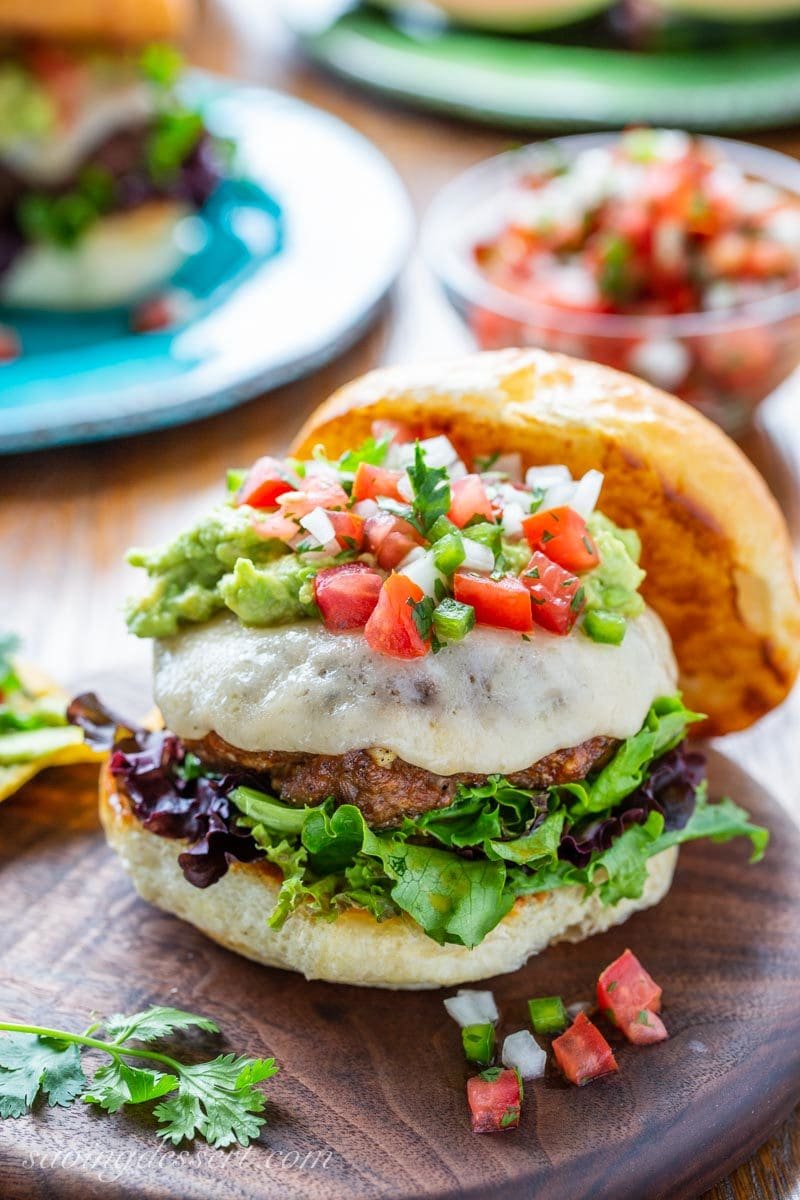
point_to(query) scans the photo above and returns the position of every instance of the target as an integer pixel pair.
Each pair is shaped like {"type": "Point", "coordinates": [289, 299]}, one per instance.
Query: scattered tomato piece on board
{"type": "Point", "coordinates": [495, 1100]}
{"type": "Point", "coordinates": [630, 998]}
{"type": "Point", "coordinates": [583, 1053]}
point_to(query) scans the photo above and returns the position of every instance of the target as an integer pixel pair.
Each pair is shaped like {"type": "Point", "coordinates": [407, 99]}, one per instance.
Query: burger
{"type": "Point", "coordinates": [100, 158]}
{"type": "Point", "coordinates": [426, 683]}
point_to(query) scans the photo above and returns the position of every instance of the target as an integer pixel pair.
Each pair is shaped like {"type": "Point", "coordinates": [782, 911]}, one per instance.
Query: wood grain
{"type": "Point", "coordinates": [370, 1096]}
{"type": "Point", "coordinates": [66, 518]}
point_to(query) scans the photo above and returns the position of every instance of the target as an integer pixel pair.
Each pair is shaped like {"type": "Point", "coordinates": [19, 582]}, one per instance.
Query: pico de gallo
{"type": "Point", "coordinates": [657, 224]}
{"type": "Point", "coordinates": [402, 540]}
{"type": "Point", "coordinates": [628, 999]}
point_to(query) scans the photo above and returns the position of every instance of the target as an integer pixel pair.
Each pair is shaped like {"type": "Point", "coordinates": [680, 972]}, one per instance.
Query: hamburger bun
{"type": "Point", "coordinates": [120, 259]}
{"type": "Point", "coordinates": [355, 948]}
{"type": "Point", "coordinates": [122, 20]}
{"type": "Point", "coordinates": [714, 543]}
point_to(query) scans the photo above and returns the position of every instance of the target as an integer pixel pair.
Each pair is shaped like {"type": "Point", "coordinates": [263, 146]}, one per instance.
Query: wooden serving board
{"type": "Point", "coordinates": [370, 1100]}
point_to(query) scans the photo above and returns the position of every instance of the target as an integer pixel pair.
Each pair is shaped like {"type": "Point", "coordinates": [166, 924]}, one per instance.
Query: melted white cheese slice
{"type": "Point", "coordinates": [492, 702]}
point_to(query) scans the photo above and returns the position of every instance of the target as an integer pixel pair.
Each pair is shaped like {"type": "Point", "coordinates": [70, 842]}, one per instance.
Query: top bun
{"type": "Point", "coordinates": [715, 545]}
{"type": "Point", "coordinates": [115, 20]}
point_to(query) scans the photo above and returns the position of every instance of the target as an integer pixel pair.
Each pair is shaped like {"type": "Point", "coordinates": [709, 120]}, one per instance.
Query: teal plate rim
{"type": "Point", "coordinates": [311, 286]}
{"type": "Point", "coordinates": [538, 85]}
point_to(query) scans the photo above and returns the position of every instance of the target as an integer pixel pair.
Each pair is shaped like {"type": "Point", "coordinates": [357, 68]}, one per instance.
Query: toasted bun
{"type": "Point", "coordinates": [119, 260]}
{"type": "Point", "coordinates": [117, 20]}
{"type": "Point", "coordinates": [715, 545]}
{"type": "Point", "coordinates": [354, 948]}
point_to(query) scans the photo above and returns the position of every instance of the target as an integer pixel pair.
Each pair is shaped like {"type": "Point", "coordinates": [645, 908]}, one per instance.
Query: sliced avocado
{"type": "Point", "coordinates": [33, 744]}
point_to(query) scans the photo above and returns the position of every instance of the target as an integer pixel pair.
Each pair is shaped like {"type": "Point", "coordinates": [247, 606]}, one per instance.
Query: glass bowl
{"type": "Point", "coordinates": [723, 361]}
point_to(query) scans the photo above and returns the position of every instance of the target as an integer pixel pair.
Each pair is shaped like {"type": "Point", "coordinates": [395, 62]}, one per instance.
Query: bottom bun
{"type": "Point", "coordinates": [119, 260]}
{"type": "Point", "coordinates": [355, 948]}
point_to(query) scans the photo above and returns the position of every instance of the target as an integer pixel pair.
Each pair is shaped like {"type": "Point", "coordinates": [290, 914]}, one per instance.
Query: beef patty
{"type": "Point", "coordinates": [383, 786]}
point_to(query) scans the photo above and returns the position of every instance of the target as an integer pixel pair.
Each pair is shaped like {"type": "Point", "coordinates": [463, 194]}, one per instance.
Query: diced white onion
{"type": "Point", "coordinates": [507, 494]}
{"type": "Point", "coordinates": [523, 1053]}
{"type": "Point", "coordinates": [580, 1006]}
{"type": "Point", "coordinates": [477, 557]}
{"type": "Point", "coordinates": [510, 465]}
{"type": "Point", "coordinates": [457, 470]}
{"type": "Point", "coordinates": [412, 556]}
{"type": "Point", "coordinates": [424, 573]}
{"type": "Point", "coordinates": [512, 520]}
{"type": "Point", "coordinates": [472, 1008]}
{"type": "Point", "coordinates": [365, 508]}
{"type": "Point", "coordinates": [664, 362]}
{"type": "Point", "coordinates": [322, 470]}
{"type": "Point", "coordinates": [543, 477]}
{"type": "Point", "coordinates": [319, 525]}
{"type": "Point", "coordinates": [557, 494]}
{"type": "Point", "coordinates": [439, 452]}
{"type": "Point", "coordinates": [587, 493]}
{"type": "Point", "coordinates": [405, 489]}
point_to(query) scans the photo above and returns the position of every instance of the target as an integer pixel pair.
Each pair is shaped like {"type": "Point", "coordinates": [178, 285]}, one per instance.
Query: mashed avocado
{"type": "Point", "coordinates": [270, 595]}
{"type": "Point", "coordinates": [613, 585]}
{"type": "Point", "coordinates": [26, 110]}
{"type": "Point", "coordinates": [221, 562]}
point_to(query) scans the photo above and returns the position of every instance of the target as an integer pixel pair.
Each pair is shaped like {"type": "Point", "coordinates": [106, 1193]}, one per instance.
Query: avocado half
{"type": "Point", "coordinates": [512, 16]}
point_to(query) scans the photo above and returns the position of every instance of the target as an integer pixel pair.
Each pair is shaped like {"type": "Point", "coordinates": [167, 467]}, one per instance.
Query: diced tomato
{"type": "Point", "coordinates": [390, 539]}
{"type": "Point", "coordinates": [349, 529]}
{"type": "Point", "coordinates": [346, 595]}
{"type": "Point", "coordinates": [504, 603]}
{"type": "Point", "coordinates": [625, 987]}
{"type": "Point", "coordinates": [159, 312]}
{"type": "Point", "coordinates": [495, 1100]}
{"type": "Point", "coordinates": [276, 525]}
{"type": "Point", "coordinates": [630, 998]}
{"type": "Point", "coordinates": [468, 499]}
{"type": "Point", "coordinates": [263, 484]}
{"type": "Point", "coordinates": [556, 594]}
{"type": "Point", "coordinates": [313, 492]}
{"type": "Point", "coordinates": [391, 629]}
{"type": "Point", "coordinates": [561, 534]}
{"type": "Point", "coordinates": [583, 1053]}
{"type": "Point", "coordinates": [396, 431]}
{"type": "Point", "coordinates": [61, 72]}
{"type": "Point", "coordinates": [371, 482]}
{"type": "Point", "coordinates": [645, 1029]}
{"type": "Point", "coordinates": [10, 345]}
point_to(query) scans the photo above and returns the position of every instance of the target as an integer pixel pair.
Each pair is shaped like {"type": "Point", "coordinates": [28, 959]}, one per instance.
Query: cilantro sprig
{"type": "Point", "coordinates": [217, 1100]}
{"type": "Point", "coordinates": [431, 487]}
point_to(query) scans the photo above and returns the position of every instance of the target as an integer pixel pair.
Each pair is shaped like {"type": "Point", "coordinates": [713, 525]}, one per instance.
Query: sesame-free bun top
{"type": "Point", "coordinates": [115, 20]}
{"type": "Point", "coordinates": [714, 543]}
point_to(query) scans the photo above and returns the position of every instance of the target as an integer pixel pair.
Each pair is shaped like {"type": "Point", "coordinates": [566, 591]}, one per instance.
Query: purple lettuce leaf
{"type": "Point", "coordinates": [670, 789]}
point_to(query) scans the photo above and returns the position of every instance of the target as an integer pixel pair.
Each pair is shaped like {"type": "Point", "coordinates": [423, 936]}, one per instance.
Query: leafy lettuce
{"type": "Point", "coordinates": [456, 870]}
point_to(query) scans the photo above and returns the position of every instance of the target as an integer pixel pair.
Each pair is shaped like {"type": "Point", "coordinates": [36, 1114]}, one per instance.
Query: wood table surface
{"type": "Point", "coordinates": [67, 516]}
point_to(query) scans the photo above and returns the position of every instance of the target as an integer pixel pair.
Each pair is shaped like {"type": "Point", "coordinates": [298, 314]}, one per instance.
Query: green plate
{"type": "Point", "coordinates": [534, 84]}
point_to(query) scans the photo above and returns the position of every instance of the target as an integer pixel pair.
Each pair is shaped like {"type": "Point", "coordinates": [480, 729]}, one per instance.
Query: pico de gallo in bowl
{"type": "Point", "coordinates": [673, 257]}
{"type": "Point", "coordinates": [402, 539]}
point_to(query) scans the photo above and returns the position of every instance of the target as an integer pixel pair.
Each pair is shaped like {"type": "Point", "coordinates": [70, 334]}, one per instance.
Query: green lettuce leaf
{"type": "Point", "coordinates": [664, 727]}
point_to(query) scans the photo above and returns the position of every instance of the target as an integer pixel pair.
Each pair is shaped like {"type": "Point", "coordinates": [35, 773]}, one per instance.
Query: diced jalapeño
{"type": "Point", "coordinates": [603, 626]}
{"type": "Point", "coordinates": [453, 620]}
{"type": "Point", "coordinates": [448, 553]}
{"type": "Point", "coordinates": [478, 1042]}
{"type": "Point", "coordinates": [548, 1014]}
